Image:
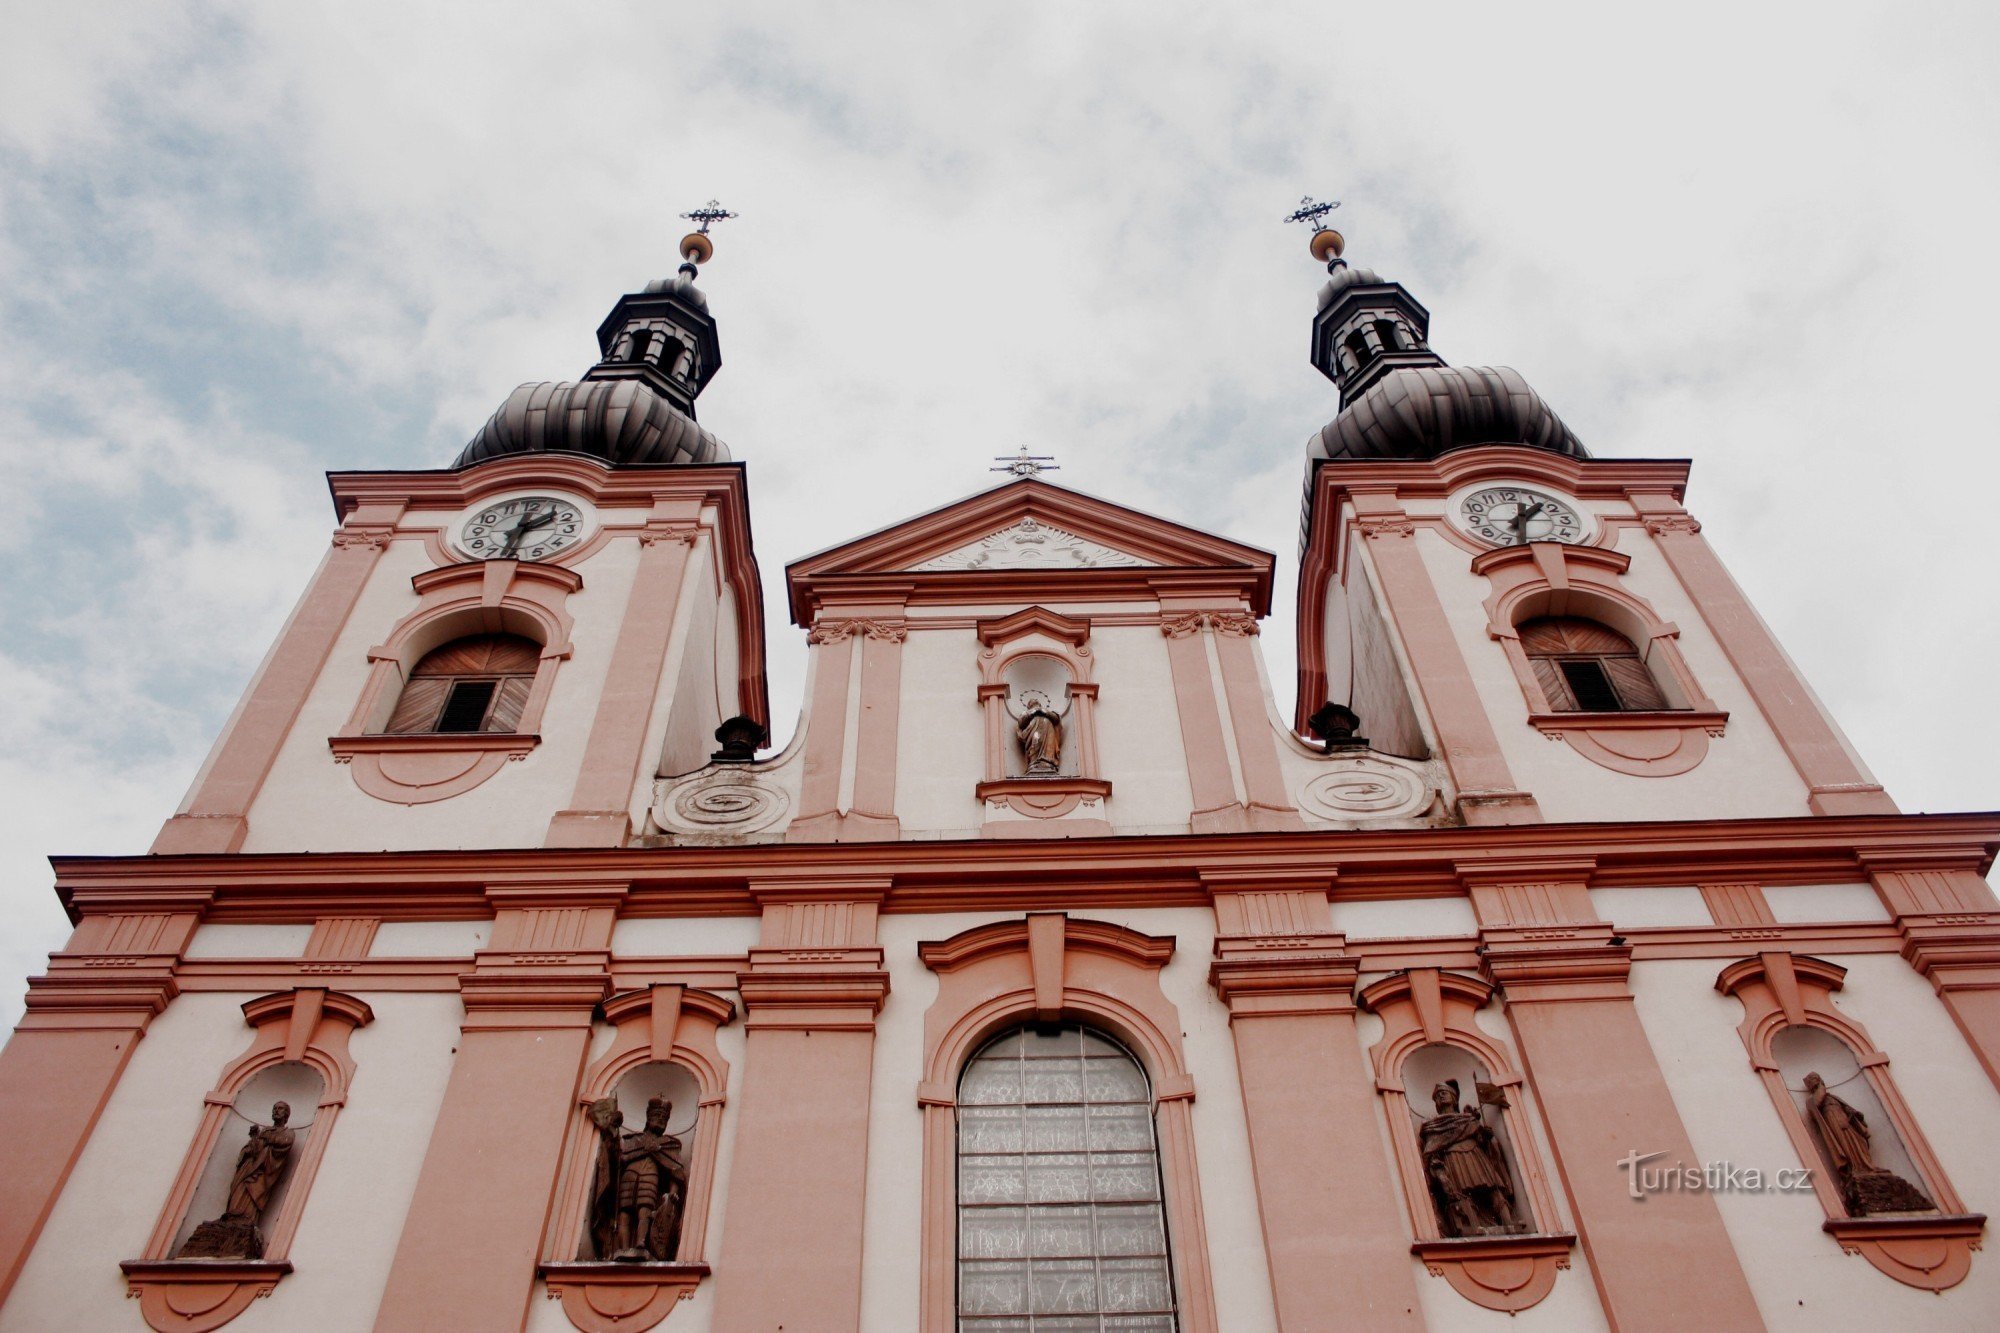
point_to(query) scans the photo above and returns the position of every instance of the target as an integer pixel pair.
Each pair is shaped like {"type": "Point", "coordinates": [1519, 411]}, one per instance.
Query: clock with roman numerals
{"type": "Point", "coordinates": [1503, 514]}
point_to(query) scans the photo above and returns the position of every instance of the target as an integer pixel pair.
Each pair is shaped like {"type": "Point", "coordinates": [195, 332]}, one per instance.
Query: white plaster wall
{"type": "Point", "coordinates": [353, 1222]}
{"type": "Point", "coordinates": [1665, 905]}
{"type": "Point", "coordinates": [429, 939]}
{"type": "Point", "coordinates": [892, 1237]}
{"type": "Point", "coordinates": [681, 936]}
{"type": "Point", "coordinates": [1400, 918]}
{"type": "Point", "coordinates": [1745, 775]}
{"type": "Point", "coordinates": [1799, 1276]}
{"type": "Point", "coordinates": [310, 803]}
{"type": "Point", "coordinates": [121, 1179]}
{"type": "Point", "coordinates": [1824, 902]}
{"type": "Point", "coordinates": [1139, 742]}
{"type": "Point", "coordinates": [249, 941]}
{"type": "Point", "coordinates": [940, 733]}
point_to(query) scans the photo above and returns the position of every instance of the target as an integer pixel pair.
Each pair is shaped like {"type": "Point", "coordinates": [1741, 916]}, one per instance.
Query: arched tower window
{"type": "Point", "coordinates": [479, 683]}
{"type": "Point", "coordinates": [1385, 329]}
{"type": "Point", "coordinates": [1061, 1223]}
{"type": "Point", "coordinates": [1357, 343]}
{"type": "Point", "coordinates": [1583, 666]}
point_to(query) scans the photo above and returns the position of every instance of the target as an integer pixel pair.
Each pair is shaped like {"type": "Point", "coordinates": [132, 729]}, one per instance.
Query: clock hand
{"type": "Point", "coordinates": [525, 526]}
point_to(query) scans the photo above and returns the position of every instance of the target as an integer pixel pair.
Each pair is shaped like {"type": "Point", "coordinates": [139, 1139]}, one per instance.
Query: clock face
{"type": "Point", "coordinates": [1515, 515]}
{"type": "Point", "coordinates": [526, 527]}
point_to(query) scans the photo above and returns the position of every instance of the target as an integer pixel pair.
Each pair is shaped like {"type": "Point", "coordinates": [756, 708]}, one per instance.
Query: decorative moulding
{"type": "Point", "coordinates": [1509, 1273]}
{"type": "Point", "coordinates": [1348, 787]}
{"type": "Point", "coordinates": [621, 1298]}
{"type": "Point", "coordinates": [1934, 1253]}
{"type": "Point", "coordinates": [724, 803]}
{"type": "Point", "coordinates": [1032, 544]}
{"type": "Point", "coordinates": [196, 1295]}
{"type": "Point", "coordinates": [419, 769]}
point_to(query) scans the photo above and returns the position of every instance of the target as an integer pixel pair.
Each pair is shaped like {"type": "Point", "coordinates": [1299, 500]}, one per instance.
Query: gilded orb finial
{"type": "Point", "coordinates": [696, 248]}
{"type": "Point", "coordinates": [1326, 244]}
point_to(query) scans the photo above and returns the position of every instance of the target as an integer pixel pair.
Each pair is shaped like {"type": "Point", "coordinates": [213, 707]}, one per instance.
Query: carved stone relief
{"type": "Point", "coordinates": [721, 804]}
{"type": "Point", "coordinates": [1032, 544]}
{"type": "Point", "coordinates": [1365, 786]}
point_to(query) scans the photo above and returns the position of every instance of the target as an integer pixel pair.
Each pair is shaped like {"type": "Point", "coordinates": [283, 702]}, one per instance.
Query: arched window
{"type": "Point", "coordinates": [1357, 343]}
{"type": "Point", "coordinates": [1583, 667]}
{"type": "Point", "coordinates": [1060, 1216]}
{"type": "Point", "coordinates": [1391, 339]}
{"type": "Point", "coordinates": [479, 683]}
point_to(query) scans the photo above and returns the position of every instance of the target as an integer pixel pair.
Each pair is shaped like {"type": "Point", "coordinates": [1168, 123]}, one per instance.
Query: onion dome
{"type": "Point", "coordinates": [1398, 398]}
{"type": "Point", "coordinates": [658, 351]}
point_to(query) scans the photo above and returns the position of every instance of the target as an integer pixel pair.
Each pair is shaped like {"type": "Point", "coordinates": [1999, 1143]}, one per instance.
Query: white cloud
{"type": "Point", "coordinates": [245, 245]}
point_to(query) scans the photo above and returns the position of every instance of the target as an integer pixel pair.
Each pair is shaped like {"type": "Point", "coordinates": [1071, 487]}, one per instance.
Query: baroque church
{"type": "Point", "coordinates": [1555, 965]}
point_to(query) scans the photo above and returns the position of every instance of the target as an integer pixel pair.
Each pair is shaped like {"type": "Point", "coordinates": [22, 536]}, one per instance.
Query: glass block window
{"type": "Point", "coordinates": [1061, 1227]}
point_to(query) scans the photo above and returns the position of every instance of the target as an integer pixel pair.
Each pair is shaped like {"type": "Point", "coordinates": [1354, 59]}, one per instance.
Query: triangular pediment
{"type": "Point", "coordinates": [1024, 530]}
{"type": "Point", "coordinates": [1032, 544]}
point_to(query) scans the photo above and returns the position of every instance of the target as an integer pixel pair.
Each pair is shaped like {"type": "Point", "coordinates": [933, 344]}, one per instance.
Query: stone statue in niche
{"type": "Point", "coordinates": [1467, 1167]}
{"type": "Point", "coordinates": [1844, 1140]}
{"type": "Point", "coordinates": [639, 1187]}
{"type": "Point", "coordinates": [260, 1166]}
{"type": "Point", "coordinates": [1039, 728]}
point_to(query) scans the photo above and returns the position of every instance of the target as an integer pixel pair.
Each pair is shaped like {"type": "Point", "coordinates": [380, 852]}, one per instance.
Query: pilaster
{"type": "Point", "coordinates": [1564, 978]}
{"type": "Point", "coordinates": [1333, 1235]}
{"type": "Point", "coordinates": [1950, 923]}
{"type": "Point", "coordinates": [489, 1177]}
{"type": "Point", "coordinates": [792, 1244]}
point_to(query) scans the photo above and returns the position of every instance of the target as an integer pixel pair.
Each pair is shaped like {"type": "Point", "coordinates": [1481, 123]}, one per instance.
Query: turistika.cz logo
{"type": "Point", "coordinates": [1708, 1177]}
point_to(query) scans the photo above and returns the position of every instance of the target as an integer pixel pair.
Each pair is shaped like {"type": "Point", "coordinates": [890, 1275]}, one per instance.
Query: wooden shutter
{"type": "Point", "coordinates": [513, 698]}
{"type": "Point", "coordinates": [1635, 685]}
{"type": "Point", "coordinates": [1554, 688]}
{"type": "Point", "coordinates": [423, 698]}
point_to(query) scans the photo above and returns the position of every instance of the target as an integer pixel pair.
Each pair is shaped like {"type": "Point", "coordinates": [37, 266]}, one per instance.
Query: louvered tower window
{"type": "Point", "coordinates": [1584, 667]}
{"type": "Point", "coordinates": [1060, 1219]}
{"type": "Point", "coordinates": [474, 684]}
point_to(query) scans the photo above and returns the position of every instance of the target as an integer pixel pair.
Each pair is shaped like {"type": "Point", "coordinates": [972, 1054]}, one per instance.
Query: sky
{"type": "Point", "coordinates": [243, 245]}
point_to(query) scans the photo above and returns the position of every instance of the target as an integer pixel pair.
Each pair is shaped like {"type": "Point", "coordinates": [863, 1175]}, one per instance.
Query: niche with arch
{"type": "Point", "coordinates": [601, 1257]}
{"type": "Point", "coordinates": [1883, 1190]}
{"type": "Point", "coordinates": [458, 688]}
{"type": "Point", "coordinates": [1481, 1207]}
{"type": "Point", "coordinates": [224, 1237]}
{"type": "Point", "coordinates": [1039, 701]}
{"type": "Point", "coordinates": [1597, 668]}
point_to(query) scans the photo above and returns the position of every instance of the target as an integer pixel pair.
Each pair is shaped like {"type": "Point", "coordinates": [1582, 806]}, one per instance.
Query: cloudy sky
{"type": "Point", "coordinates": [242, 245]}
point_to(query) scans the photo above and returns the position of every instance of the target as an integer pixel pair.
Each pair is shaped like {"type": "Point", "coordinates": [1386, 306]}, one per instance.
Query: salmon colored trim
{"type": "Point", "coordinates": [215, 817]}
{"type": "Point", "coordinates": [82, 1022]}
{"type": "Point", "coordinates": [792, 1252]}
{"type": "Point", "coordinates": [1781, 990]}
{"type": "Point", "coordinates": [528, 1000]}
{"type": "Point", "coordinates": [660, 1024]}
{"type": "Point", "coordinates": [1555, 579]}
{"type": "Point", "coordinates": [1585, 1053]}
{"type": "Point", "coordinates": [1835, 779]}
{"type": "Point", "coordinates": [342, 937]}
{"type": "Point", "coordinates": [1471, 751]}
{"type": "Point", "coordinates": [1045, 806]}
{"type": "Point", "coordinates": [893, 553]}
{"type": "Point", "coordinates": [599, 813]}
{"type": "Point", "coordinates": [1265, 792]}
{"type": "Point", "coordinates": [308, 1026]}
{"type": "Point", "coordinates": [881, 708]}
{"type": "Point", "coordinates": [1308, 1101]}
{"type": "Point", "coordinates": [1092, 972]}
{"type": "Point", "coordinates": [719, 487]}
{"type": "Point", "coordinates": [857, 664]}
{"type": "Point", "coordinates": [1950, 925]}
{"type": "Point", "coordinates": [1218, 808]}
{"type": "Point", "coordinates": [1427, 1007]}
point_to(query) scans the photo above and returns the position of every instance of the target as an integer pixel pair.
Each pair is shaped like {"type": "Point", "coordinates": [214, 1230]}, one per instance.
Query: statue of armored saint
{"type": "Point", "coordinates": [1040, 731]}
{"type": "Point", "coordinates": [260, 1165]}
{"type": "Point", "coordinates": [639, 1187]}
{"type": "Point", "coordinates": [1845, 1142]}
{"type": "Point", "coordinates": [1467, 1167]}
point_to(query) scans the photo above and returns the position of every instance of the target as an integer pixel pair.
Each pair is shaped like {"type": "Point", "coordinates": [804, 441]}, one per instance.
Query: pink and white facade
{"type": "Point", "coordinates": [1640, 924]}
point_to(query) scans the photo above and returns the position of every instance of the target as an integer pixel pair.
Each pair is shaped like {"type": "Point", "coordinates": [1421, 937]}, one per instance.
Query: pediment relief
{"type": "Point", "coordinates": [1032, 544]}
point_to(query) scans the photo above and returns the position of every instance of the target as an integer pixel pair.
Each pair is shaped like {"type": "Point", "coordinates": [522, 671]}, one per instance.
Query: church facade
{"type": "Point", "coordinates": [1558, 962]}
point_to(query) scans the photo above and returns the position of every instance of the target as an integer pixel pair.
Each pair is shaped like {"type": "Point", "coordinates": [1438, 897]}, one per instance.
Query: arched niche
{"type": "Point", "coordinates": [299, 1088]}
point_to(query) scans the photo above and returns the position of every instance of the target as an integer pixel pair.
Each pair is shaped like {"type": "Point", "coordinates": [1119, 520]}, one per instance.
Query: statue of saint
{"type": "Point", "coordinates": [639, 1186]}
{"type": "Point", "coordinates": [1040, 731]}
{"type": "Point", "coordinates": [1467, 1167]}
{"type": "Point", "coordinates": [1844, 1139]}
{"type": "Point", "coordinates": [260, 1165]}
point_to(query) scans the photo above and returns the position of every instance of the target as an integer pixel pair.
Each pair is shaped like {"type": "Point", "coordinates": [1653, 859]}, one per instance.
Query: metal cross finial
{"type": "Point", "coordinates": [710, 212]}
{"type": "Point", "coordinates": [1313, 213]}
{"type": "Point", "coordinates": [1025, 464]}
